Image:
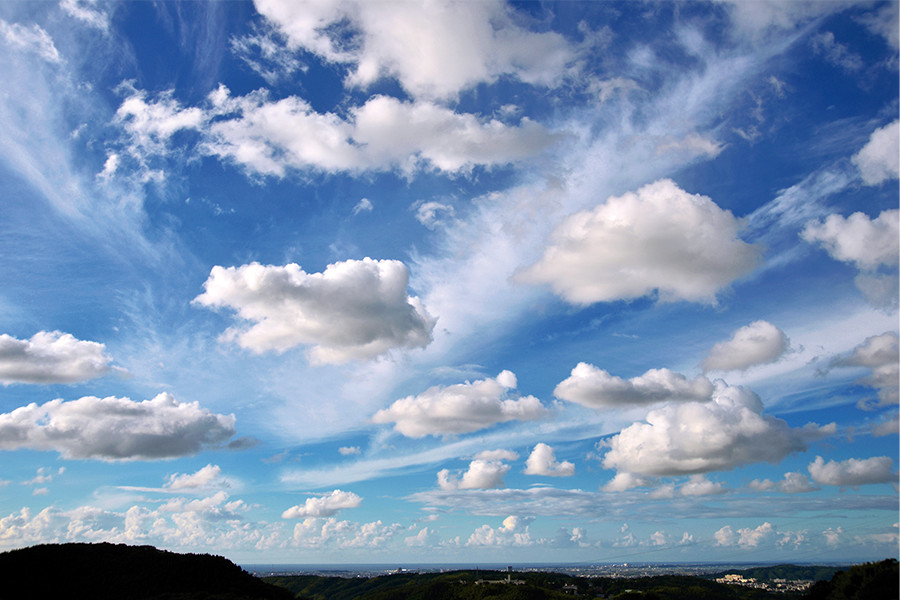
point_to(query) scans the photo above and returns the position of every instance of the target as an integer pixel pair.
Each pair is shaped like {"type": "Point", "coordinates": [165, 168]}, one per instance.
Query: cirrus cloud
{"type": "Point", "coordinates": [356, 309]}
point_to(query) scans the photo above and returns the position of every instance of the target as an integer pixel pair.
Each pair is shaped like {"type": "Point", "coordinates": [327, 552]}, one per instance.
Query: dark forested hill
{"type": "Point", "coordinates": [120, 572]}
{"type": "Point", "coordinates": [869, 581]}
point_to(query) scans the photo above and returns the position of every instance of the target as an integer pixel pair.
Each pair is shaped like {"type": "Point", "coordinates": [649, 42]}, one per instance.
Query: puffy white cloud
{"type": "Point", "coordinates": [323, 506]}
{"type": "Point", "coordinates": [793, 483]}
{"type": "Point", "coordinates": [51, 357]}
{"type": "Point", "coordinates": [699, 485]}
{"type": "Point", "coordinates": [853, 472]}
{"type": "Point", "coordinates": [658, 238]}
{"type": "Point", "coordinates": [431, 213]}
{"type": "Point", "coordinates": [425, 537]}
{"type": "Point", "coordinates": [745, 537]}
{"type": "Point", "coordinates": [878, 160]}
{"type": "Point", "coordinates": [881, 354]}
{"type": "Point", "coordinates": [758, 343]}
{"type": "Point", "coordinates": [858, 239]}
{"type": "Point", "coordinates": [458, 44]}
{"type": "Point", "coordinates": [694, 437]}
{"type": "Point", "coordinates": [485, 472]}
{"type": "Point", "coordinates": [624, 481]}
{"type": "Point", "coordinates": [461, 408]}
{"type": "Point", "coordinates": [115, 428]}
{"type": "Point", "coordinates": [271, 137]}
{"type": "Point", "coordinates": [356, 309]}
{"type": "Point", "coordinates": [542, 461]}
{"type": "Point", "coordinates": [319, 533]}
{"type": "Point", "coordinates": [207, 477]}
{"type": "Point", "coordinates": [513, 532]}
{"type": "Point", "coordinates": [595, 388]}
{"type": "Point", "coordinates": [29, 39]}
{"type": "Point", "coordinates": [349, 450]}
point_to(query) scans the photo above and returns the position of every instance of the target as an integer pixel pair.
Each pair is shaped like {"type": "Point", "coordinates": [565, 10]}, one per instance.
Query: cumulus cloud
{"type": "Point", "coordinates": [356, 309]}
{"type": "Point", "coordinates": [745, 537]}
{"type": "Point", "coordinates": [323, 506]}
{"type": "Point", "coordinates": [793, 483]}
{"type": "Point", "coordinates": [329, 532]}
{"type": "Point", "coordinates": [758, 343]}
{"type": "Point", "coordinates": [542, 461]}
{"type": "Point", "coordinates": [115, 428]}
{"type": "Point", "coordinates": [349, 450]}
{"type": "Point", "coordinates": [853, 472]}
{"type": "Point", "coordinates": [595, 388]}
{"type": "Point", "coordinates": [694, 437]}
{"type": "Point", "coordinates": [431, 213]}
{"type": "Point", "coordinates": [457, 44]}
{"type": "Point", "coordinates": [858, 239]}
{"type": "Point", "coordinates": [659, 238]}
{"type": "Point", "coordinates": [51, 357]}
{"type": "Point", "coordinates": [209, 476]}
{"type": "Point", "coordinates": [485, 472]}
{"type": "Point", "coordinates": [461, 408]}
{"type": "Point", "coordinates": [699, 485]}
{"type": "Point", "coordinates": [878, 160]}
{"type": "Point", "coordinates": [513, 532]}
{"type": "Point", "coordinates": [881, 354]}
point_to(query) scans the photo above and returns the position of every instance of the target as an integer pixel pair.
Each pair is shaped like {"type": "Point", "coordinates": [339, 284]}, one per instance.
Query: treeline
{"type": "Point", "coordinates": [120, 572]}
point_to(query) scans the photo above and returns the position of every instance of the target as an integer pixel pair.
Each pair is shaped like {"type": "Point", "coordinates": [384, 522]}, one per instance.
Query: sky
{"type": "Point", "coordinates": [451, 282]}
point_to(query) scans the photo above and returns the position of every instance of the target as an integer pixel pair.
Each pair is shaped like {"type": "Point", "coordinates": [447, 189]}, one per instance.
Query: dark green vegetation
{"type": "Point", "coordinates": [120, 572]}
{"type": "Point", "coordinates": [460, 585]}
{"type": "Point", "coordinates": [789, 572]}
{"type": "Point", "coordinates": [870, 581]}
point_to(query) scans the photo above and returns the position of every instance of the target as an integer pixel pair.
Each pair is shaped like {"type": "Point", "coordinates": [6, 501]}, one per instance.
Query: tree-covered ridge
{"type": "Point", "coordinates": [789, 572]}
{"type": "Point", "coordinates": [118, 571]}
{"type": "Point", "coordinates": [869, 581]}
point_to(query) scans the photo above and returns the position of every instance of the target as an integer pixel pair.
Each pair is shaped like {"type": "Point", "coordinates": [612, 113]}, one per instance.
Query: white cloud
{"type": "Point", "coordinates": [699, 485]}
{"type": "Point", "coordinates": [881, 354]}
{"type": "Point", "coordinates": [793, 483]}
{"type": "Point", "coordinates": [208, 477]}
{"type": "Point", "coordinates": [461, 408]}
{"type": "Point", "coordinates": [542, 461]}
{"type": "Point", "coordinates": [29, 39]}
{"type": "Point", "coordinates": [858, 239]}
{"type": "Point", "coordinates": [364, 205]}
{"type": "Point", "coordinates": [659, 538]}
{"type": "Point", "coordinates": [86, 12]}
{"type": "Point", "coordinates": [624, 481]}
{"type": "Point", "coordinates": [484, 473]}
{"type": "Point", "coordinates": [115, 428]}
{"type": "Point", "coordinates": [457, 44]}
{"type": "Point", "coordinates": [595, 388]}
{"type": "Point", "coordinates": [833, 536]}
{"type": "Point", "coordinates": [853, 472]}
{"type": "Point", "coordinates": [323, 506]}
{"type": "Point", "coordinates": [878, 160]}
{"type": "Point", "coordinates": [425, 537]}
{"type": "Point", "coordinates": [430, 214]}
{"type": "Point", "coordinates": [683, 439]}
{"type": "Point", "coordinates": [51, 357]}
{"type": "Point", "coordinates": [349, 450]}
{"type": "Point", "coordinates": [758, 343]}
{"type": "Point", "coordinates": [513, 532]}
{"type": "Point", "coordinates": [659, 238]}
{"type": "Point", "coordinates": [271, 137]}
{"type": "Point", "coordinates": [323, 533]}
{"type": "Point", "coordinates": [356, 309]}
{"type": "Point", "coordinates": [745, 537]}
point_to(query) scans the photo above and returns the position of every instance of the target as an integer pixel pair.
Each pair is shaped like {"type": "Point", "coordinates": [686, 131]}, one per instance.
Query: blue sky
{"type": "Point", "coordinates": [451, 282]}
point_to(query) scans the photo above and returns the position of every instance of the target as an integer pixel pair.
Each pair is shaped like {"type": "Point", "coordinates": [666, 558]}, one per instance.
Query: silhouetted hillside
{"type": "Point", "coordinates": [869, 581]}
{"type": "Point", "coordinates": [120, 572]}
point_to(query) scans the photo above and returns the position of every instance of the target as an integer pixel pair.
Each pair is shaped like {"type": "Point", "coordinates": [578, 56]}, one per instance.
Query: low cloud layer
{"type": "Point", "coordinates": [657, 239]}
{"type": "Point", "coordinates": [461, 408]}
{"type": "Point", "coordinates": [758, 343]}
{"type": "Point", "coordinates": [356, 309]}
{"type": "Point", "coordinates": [115, 428]}
{"type": "Point", "coordinates": [595, 388]}
{"type": "Point", "coordinates": [689, 438]}
{"type": "Point", "coordinates": [51, 357]}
